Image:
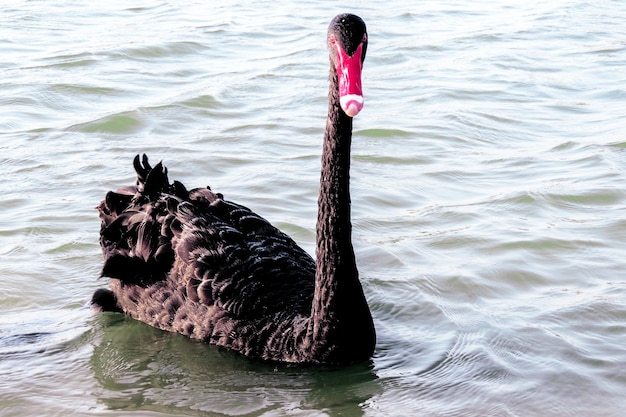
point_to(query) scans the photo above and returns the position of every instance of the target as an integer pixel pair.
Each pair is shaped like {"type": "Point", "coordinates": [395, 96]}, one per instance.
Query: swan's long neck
{"type": "Point", "coordinates": [339, 310]}
{"type": "Point", "coordinates": [335, 256]}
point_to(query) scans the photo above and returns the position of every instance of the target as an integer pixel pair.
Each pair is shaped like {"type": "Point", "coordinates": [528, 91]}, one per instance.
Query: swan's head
{"type": "Point", "coordinates": [347, 43]}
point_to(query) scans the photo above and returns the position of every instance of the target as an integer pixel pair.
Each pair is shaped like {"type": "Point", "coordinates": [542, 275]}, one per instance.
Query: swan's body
{"type": "Point", "coordinates": [193, 263]}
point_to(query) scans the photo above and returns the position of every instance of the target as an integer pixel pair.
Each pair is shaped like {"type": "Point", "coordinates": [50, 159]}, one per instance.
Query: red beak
{"type": "Point", "coordinates": [349, 75]}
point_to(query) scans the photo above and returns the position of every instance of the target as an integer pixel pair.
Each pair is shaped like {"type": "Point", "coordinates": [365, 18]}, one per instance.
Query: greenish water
{"type": "Point", "coordinates": [487, 191]}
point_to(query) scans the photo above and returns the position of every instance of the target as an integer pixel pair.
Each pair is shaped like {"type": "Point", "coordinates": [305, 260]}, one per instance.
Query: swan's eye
{"type": "Point", "coordinates": [364, 38]}
{"type": "Point", "coordinates": [332, 39]}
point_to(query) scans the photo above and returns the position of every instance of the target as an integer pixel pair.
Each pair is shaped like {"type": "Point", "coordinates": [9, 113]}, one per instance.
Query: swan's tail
{"type": "Point", "coordinates": [104, 300]}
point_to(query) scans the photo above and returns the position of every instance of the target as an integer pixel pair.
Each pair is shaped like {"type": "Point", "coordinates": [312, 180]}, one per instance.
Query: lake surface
{"type": "Point", "coordinates": [488, 193]}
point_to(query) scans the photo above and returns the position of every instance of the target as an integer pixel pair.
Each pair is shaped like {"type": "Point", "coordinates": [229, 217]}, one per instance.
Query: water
{"type": "Point", "coordinates": [488, 199]}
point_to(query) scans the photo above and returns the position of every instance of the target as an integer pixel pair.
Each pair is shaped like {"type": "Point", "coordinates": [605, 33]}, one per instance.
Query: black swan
{"type": "Point", "coordinates": [188, 261]}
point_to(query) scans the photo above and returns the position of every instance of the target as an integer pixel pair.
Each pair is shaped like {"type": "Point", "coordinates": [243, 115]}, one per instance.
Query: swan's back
{"type": "Point", "coordinates": [191, 262]}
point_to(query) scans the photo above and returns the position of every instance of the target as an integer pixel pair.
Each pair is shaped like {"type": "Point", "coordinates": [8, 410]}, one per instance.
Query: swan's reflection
{"type": "Point", "coordinates": [142, 368]}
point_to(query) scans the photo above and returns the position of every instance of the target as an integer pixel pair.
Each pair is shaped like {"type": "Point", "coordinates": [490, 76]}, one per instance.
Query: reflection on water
{"type": "Point", "coordinates": [141, 368]}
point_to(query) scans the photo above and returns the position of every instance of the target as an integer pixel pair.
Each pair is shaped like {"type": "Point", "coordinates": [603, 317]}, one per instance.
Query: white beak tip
{"type": "Point", "coordinates": [351, 104]}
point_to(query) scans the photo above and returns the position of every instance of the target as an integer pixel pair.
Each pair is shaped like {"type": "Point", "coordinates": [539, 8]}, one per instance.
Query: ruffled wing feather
{"type": "Point", "coordinates": [218, 252]}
